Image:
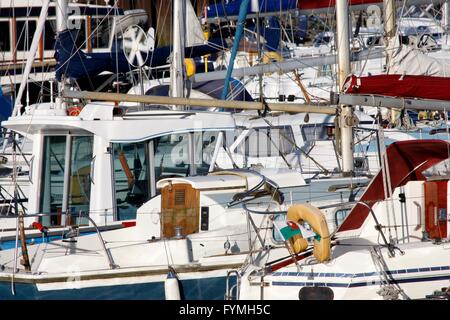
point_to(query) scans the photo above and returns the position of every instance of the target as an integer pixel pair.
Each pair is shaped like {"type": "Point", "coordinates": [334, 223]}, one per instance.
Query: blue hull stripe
{"type": "Point", "coordinates": [358, 275]}
{"type": "Point", "coordinates": [357, 284]}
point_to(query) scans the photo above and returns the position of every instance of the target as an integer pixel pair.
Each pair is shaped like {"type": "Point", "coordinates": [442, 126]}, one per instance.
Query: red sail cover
{"type": "Point", "coordinates": [394, 85]}
{"type": "Point", "coordinates": [319, 4]}
{"type": "Point", "coordinates": [407, 160]}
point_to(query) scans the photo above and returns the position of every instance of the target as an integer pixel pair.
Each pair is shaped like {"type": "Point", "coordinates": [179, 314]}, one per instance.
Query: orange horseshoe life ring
{"type": "Point", "coordinates": [74, 111]}
{"type": "Point", "coordinates": [315, 218]}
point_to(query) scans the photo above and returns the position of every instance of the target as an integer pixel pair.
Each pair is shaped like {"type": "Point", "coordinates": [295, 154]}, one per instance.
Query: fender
{"type": "Point", "coordinates": [271, 56]}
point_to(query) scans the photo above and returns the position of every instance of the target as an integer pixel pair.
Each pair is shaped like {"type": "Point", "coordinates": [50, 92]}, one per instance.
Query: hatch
{"type": "Point", "coordinates": [436, 208]}
{"type": "Point", "coordinates": [180, 208]}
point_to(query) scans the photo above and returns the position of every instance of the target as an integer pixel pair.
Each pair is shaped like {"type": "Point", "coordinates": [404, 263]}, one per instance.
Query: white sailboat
{"type": "Point", "coordinates": [392, 246]}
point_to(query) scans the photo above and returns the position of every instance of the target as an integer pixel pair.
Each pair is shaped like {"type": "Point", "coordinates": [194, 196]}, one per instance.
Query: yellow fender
{"type": "Point", "coordinates": [271, 56]}
{"type": "Point", "coordinates": [316, 219]}
{"type": "Point", "coordinates": [190, 67]}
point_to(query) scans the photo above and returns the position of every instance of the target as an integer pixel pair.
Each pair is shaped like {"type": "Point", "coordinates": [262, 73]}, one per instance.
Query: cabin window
{"type": "Point", "coordinates": [321, 40]}
{"type": "Point", "coordinates": [101, 29]}
{"type": "Point", "coordinates": [131, 178]}
{"type": "Point", "coordinates": [373, 41]}
{"type": "Point", "coordinates": [269, 142]}
{"type": "Point", "coordinates": [230, 141]}
{"type": "Point", "coordinates": [171, 154]}
{"type": "Point", "coordinates": [53, 177]}
{"type": "Point", "coordinates": [283, 139]}
{"type": "Point", "coordinates": [205, 144]}
{"type": "Point", "coordinates": [276, 236]}
{"type": "Point", "coordinates": [340, 215]}
{"type": "Point", "coordinates": [5, 38]}
{"type": "Point", "coordinates": [49, 34]}
{"type": "Point", "coordinates": [80, 32]}
{"type": "Point", "coordinates": [315, 133]}
{"type": "Point", "coordinates": [80, 175]}
{"type": "Point", "coordinates": [257, 143]}
{"type": "Point", "coordinates": [25, 33]}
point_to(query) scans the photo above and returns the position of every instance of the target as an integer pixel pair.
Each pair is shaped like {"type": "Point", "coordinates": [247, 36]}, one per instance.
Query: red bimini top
{"type": "Point", "coordinates": [394, 85]}
{"type": "Point", "coordinates": [407, 160]}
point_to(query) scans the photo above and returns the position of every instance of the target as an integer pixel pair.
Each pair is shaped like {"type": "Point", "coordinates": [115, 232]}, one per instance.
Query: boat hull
{"type": "Point", "coordinates": [204, 288]}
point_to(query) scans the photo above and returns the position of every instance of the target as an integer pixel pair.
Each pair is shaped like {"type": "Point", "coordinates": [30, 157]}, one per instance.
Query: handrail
{"type": "Point", "coordinates": [111, 263]}
{"type": "Point", "coordinates": [419, 215]}
{"type": "Point", "coordinates": [228, 290]}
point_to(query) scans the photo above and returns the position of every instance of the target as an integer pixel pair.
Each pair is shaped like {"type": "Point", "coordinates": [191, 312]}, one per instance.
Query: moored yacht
{"type": "Point", "coordinates": [392, 245]}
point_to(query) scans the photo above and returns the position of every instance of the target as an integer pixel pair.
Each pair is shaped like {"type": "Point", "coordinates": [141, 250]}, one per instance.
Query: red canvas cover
{"type": "Point", "coordinates": [407, 160]}
{"type": "Point", "coordinates": [394, 85]}
{"type": "Point", "coordinates": [319, 4]}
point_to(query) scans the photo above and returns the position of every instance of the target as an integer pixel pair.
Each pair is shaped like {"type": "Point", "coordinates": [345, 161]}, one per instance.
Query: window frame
{"type": "Point", "coordinates": [8, 52]}
{"type": "Point", "coordinates": [65, 203]}
{"type": "Point", "coordinates": [20, 53]}
{"type": "Point", "coordinates": [151, 162]}
{"type": "Point", "coordinates": [92, 35]}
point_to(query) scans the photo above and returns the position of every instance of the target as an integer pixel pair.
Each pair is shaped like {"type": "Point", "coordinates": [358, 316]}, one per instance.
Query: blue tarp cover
{"type": "Point", "coordinates": [5, 106]}
{"type": "Point", "coordinates": [232, 7]}
{"type": "Point", "coordinates": [77, 64]}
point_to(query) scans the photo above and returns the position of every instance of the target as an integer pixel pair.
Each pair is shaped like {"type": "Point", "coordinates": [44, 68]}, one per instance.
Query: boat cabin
{"type": "Point", "coordinates": [107, 163]}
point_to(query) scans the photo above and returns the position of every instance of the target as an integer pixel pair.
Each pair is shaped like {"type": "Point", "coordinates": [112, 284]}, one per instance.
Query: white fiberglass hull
{"type": "Point", "coordinates": [358, 274]}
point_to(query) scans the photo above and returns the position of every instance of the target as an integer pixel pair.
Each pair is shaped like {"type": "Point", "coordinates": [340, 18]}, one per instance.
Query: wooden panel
{"type": "Point", "coordinates": [180, 207]}
{"type": "Point", "coordinates": [89, 31]}
{"type": "Point", "coordinates": [436, 208]}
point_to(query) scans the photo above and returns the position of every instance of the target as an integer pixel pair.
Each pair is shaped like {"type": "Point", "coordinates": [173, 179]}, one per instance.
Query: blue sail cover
{"type": "Point", "coordinates": [5, 106]}
{"type": "Point", "coordinates": [76, 64]}
{"type": "Point", "coordinates": [211, 88]}
{"type": "Point", "coordinates": [271, 32]}
{"type": "Point", "coordinates": [265, 6]}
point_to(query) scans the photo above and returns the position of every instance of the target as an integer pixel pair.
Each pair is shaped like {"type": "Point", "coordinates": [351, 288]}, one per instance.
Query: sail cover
{"type": "Point", "coordinates": [404, 59]}
{"type": "Point", "coordinates": [407, 160]}
{"type": "Point", "coordinates": [265, 6]}
{"type": "Point", "coordinates": [212, 89]}
{"type": "Point", "coordinates": [396, 85]}
{"type": "Point", "coordinates": [194, 31]}
{"type": "Point", "coordinates": [76, 64]}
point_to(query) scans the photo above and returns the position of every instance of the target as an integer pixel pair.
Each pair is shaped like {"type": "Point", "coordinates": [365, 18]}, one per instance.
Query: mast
{"type": "Point", "coordinates": [389, 33]}
{"type": "Point", "coordinates": [389, 18]}
{"type": "Point", "coordinates": [31, 57]}
{"type": "Point", "coordinates": [255, 7]}
{"type": "Point", "coordinates": [61, 25]}
{"type": "Point", "coordinates": [346, 117]}
{"type": "Point", "coordinates": [445, 22]}
{"type": "Point", "coordinates": [178, 36]}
